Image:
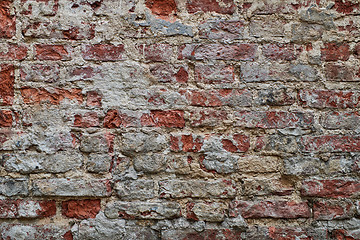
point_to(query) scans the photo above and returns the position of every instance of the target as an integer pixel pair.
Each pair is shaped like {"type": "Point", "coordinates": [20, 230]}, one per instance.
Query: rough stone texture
{"type": "Point", "coordinates": [179, 119]}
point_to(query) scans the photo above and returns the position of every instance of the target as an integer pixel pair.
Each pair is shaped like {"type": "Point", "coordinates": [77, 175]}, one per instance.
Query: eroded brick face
{"type": "Point", "coordinates": [181, 120]}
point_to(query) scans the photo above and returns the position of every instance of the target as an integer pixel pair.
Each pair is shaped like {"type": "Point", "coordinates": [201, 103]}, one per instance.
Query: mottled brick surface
{"type": "Point", "coordinates": [179, 119]}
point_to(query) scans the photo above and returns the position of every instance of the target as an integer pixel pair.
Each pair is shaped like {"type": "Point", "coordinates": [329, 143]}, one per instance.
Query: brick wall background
{"type": "Point", "coordinates": [179, 119]}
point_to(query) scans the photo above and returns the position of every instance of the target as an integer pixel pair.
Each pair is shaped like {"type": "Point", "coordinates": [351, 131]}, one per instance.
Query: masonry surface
{"type": "Point", "coordinates": [179, 119]}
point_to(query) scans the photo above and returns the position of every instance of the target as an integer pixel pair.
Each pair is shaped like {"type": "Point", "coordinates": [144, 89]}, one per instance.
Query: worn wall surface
{"type": "Point", "coordinates": [179, 119]}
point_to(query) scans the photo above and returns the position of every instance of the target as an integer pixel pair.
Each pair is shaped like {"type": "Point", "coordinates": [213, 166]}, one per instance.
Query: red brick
{"type": "Point", "coordinates": [345, 6]}
{"type": "Point", "coordinates": [89, 119]}
{"type": "Point", "coordinates": [103, 52]}
{"type": "Point", "coordinates": [27, 209]}
{"type": "Point", "coordinates": [166, 73]}
{"type": "Point", "coordinates": [272, 119]}
{"type": "Point", "coordinates": [81, 209]}
{"type": "Point", "coordinates": [332, 143]}
{"type": "Point", "coordinates": [208, 117]}
{"type": "Point", "coordinates": [186, 143]}
{"type": "Point", "coordinates": [330, 210]}
{"type": "Point", "coordinates": [329, 98]}
{"type": "Point", "coordinates": [337, 72]}
{"type": "Point", "coordinates": [287, 52]}
{"type": "Point", "coordinates": [223, 7]}
{"type": "Point", "coordinates": [53, 96]}
{"type": "Point", "coordinates": [269, 209]}
{"type": "Point", "coordinates": [158, 118]}
{"type": "Point", "coordinates": [161, 7]}
{"type": "Point", "coordinates": [357, 50]}
{"type": "Point", "coordinates": [7, 78]}
{"type": "Point", "coordinates": [216, 98]}
{"type": "Point", "coordinates": [214, 74]}
{"type": "Point", "coordinates": [14, 52]}
{"type": "Point", "coordinates": [7, 21]}
{"type": "Point", "coordinates": [93, 99]}
{"type": "Point", "coordinates": [240, 51]}
{"type": "Point", "coordinates": [115, 119]}
{"type": "Point", "coordinates": [52, 52]}
{"type": "Point", "coordinates": [341, 234]}
{"type": "Point", "coordinates": [335, 52]}
{"type": "Point", "coordinates": [6, 118]}
{"type": "Point", "coordinates": [335, 188]}
{"type": "Point", "coordinates": [236, 143]}
{"type": "Point", "coordinates": [156, 52]}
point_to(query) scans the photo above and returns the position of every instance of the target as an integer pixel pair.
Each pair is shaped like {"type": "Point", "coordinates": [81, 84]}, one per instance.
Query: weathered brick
{"type": "Point", "coordinates": [97, 142]}
{"type": "Point", "coordinates": [34, 162]}
{"type": "Point", "coordinates": [345, 7]}
{"type": "Point", "coordinates": [275, 97]}
{"type": "Point", "coordinates": [222, 188]}
{"type": "Point", "coordinates": [7, 78]}
{"type": "Point", "coordinates": [214, 74]}
{"type": "Point", "coordinates": [286, 52]}
{"type": "Point", "coordinates": [166, 73]}
{"type": "Point", "coordinates": [159, 118]}
{"type": "Point", "coordinates": [230, 143]}
{"type": "Point", "coordinates": [272, 119]}
{"type": "Point", "coordinates": [342, 234]}
{"type": "Point", "coordinates": [81, 209]}
{"type": "Point", "coordinates": [50, 95]}
{"type": "Point", "coordinates": [208, 234]}
{"type": "Point", "coordinates": [52, 52]}
{"type": "Point", "coordinates": [266, 187]}
{"type": "Point", "coordinates": [339, 73]}
{"type": "Point", "coordinates": [7, 20]}
{"type": "Point", "coordinates": [225, 7]}
{"type": "Point", "coordinates": [6, 118]}
{"type": "Point", "coordinates": [40, 73]}
{"type": "Point", "coordinates": [133, 143]}
{"type": "Point", "coordinates": [206, 211]}
{"type": "Point", "coordinates": [329, 98]}
{"type": "Point", "coordinates": [330, 209]}
{"type": "Point", "coordinates": [27, 209]}
{"type": "Point", "coordinates": [270, 209]}
{"type": "Point", "coordinates": [278, 143]}
{"type": "Point", "coordinates": [143, 210]}
{"type": "Point", "coordinates": [13, 231]}
{"type": "Point", "coordinates": [93, 99]}
{"type": "Point", "coordinates": [103, 52]}
{"type": "Point", "coordinates": [222, 30]}
{"type": "Point", "coordinates": [259, 164]}
{"type": "Point", "coordinates": [13, 187]}
{"type": "Point", "coordinates": [334, 188]}
{"type": "Point", "coordinates": [266, 26]}
{"type": "Point", "coordinates": [186, 143]}
{"type": "Point", "coordinates": [215, 98]}
{"type": "Point", "coordinates": [332, 143]}
{"type": "Point", "coordinates": [335, 51]}
{"type": "Point", "coordinates": [304, 32]}
{"type": "Point", "coordinates": [303, 165]}
{"type": "Point", "coordinates": [282, 233]}
{"type": "Point", "coordinates": [88, 119]}
{"type": "Point", "coordinates": [241, 51]}
{"type": "Point", "coordinates": [340, 120]}
{"type": "Point", "coordinates": [136, 189]}
{"type": "Point", "coordinates": [13, 52]}
{"type": "Point", "coordinates": [156, 52]}
{"type": "Point", "coordinates": [98, 163]}
{"type": "Point", "coordinates": [209, 118]}
{"type": "Point", "coordinates": [61, 187]}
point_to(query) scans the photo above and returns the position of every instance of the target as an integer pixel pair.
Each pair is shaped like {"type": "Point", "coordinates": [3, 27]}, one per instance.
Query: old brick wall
{"type": "Point", "coordinates": [179, 119]}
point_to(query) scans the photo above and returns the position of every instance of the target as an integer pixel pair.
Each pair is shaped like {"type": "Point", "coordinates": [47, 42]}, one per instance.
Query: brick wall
{"type": "Point", "coordinates": [179, 119]}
